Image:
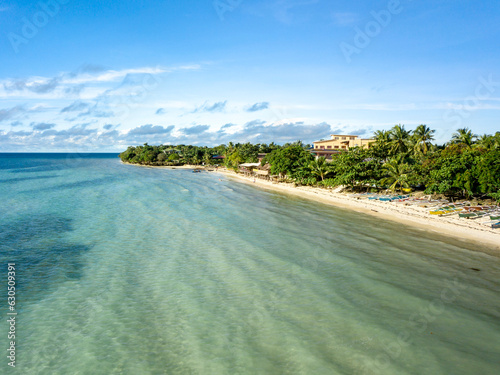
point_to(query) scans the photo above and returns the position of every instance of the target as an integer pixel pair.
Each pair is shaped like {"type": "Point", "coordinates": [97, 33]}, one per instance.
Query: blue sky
{"type": "Point", "coordinates": [99, 76]}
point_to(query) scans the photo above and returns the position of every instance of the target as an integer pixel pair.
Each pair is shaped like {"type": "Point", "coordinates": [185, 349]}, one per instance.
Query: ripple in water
{"type": "Point", "coordinates": [169, 272]}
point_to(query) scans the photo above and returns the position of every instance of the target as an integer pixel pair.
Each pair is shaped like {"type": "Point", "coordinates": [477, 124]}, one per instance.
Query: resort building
{"type": "Point", "coordinates": [338, 143]}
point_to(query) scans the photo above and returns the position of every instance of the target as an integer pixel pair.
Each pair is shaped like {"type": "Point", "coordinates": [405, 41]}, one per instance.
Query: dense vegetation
{"type": "Point", "coordinates": [466, 166]}
{"type": "Point", "coordinates": [166, 155]}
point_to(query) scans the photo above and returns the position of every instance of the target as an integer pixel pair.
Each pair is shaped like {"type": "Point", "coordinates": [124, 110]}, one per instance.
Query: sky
{"type": "Point", "coordinates": [99, 76]}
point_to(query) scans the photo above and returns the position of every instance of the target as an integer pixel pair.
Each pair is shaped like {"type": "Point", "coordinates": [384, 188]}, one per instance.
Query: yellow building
{"type": "Point", "coordinates": [339, 143]}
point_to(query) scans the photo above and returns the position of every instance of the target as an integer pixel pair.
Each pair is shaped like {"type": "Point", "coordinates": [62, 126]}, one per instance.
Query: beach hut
{"type": "Point", "coordinates": [263, 171]}
{"type": "Point", "coordinates": [247, 168]}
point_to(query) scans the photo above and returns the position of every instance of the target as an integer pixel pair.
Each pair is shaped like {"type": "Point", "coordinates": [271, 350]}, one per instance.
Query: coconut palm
{"type": "Point", "coordinates": [382, 137]}
{"type": "Point", "coordinates": [399, 139]}
{"type": "Point", "coordinates": [207, 158]}
{"type": "Point", "coordinates": [464, 136]}
{"type": "Point", "coordinates": [397, 174]}
{"type": "Point", "coordinates": [319, 167]}
{"type": "Point", "coordinates": [422, 137]}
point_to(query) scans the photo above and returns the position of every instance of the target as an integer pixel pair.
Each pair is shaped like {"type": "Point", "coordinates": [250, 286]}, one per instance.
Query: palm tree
{"type": "Point", "coordinates": [398, 174]}
{"type": "Point", "coordinates": [422, 137]}
{"type": "Point", "coordinates": [319, 167]}
{"type": "Point", "coordinates": [382, 137]}
{"type": "Point", "coordinates": [196, 160]}
{"type": "Point", "coordinates": [207, 158]}
{"type": "Point", "coordinates": [464, 136]}
{"type": "Point", "coordinates": [399, 138]}
{"type": "Point", "coordinates": [486, 141]}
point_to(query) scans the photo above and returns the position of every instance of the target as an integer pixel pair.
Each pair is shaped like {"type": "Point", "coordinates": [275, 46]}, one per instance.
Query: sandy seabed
{"type": "Point", "coordinates": [474, 231]}
{"type": "Point", "coordinates": [483, 237]}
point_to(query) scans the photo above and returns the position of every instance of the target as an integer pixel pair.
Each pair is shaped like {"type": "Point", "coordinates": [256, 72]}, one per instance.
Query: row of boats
{"type": "Point", "coordinates": [466, 211]}
{"type": "Point", "coordinates": [441, 207]}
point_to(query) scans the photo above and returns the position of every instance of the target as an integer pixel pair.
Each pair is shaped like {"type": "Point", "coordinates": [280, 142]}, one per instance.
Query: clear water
{"type": "Point", "coordinates": [130, 270]}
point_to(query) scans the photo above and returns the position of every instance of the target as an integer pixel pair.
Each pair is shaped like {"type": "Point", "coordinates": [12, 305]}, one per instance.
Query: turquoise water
{"type": "Point", "coordinates": [129, 270]}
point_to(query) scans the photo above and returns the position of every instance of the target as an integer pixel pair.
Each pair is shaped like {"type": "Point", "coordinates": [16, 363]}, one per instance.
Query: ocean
{"type": "Point", "coordinates": [121, 269]}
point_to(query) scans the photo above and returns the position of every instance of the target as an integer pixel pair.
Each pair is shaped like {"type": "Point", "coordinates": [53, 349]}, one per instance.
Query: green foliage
{"type": "Point", "coordinates": [399, 140]}
{"type": "Point", "coordinates": [327, 182]}
{"type": "Point", "coordinates": [289, 161]}
{"type": "Point", "coordinates": [234, 159]}
{"type": "Point", "coordinates": [487, 171]}
{"type": "Point", "coordinates": [357, 167]}
{"type": "Point", "coordinates": [468, 165]}
{"type": "Point", "coordinates": [397, 174]}
{"type": "Point", "coordinates": [195, 155]}
{"type": "Point", "coordinates": [319, 168]}
{"type": "Point", "coordinates": [453, 173]}
{"type": "Point", "coordinates": [422, 136]}
{"type": "Point", "coordinates": [464, 136]}
{"type": "Point", "coordinates": [162, 157]}
{"type": "Point", "coordinates": [495, 196]}
{"type": "Point", "coordinates": [309, 181]}
{"type": "Point", "coordinates": [173, 157]}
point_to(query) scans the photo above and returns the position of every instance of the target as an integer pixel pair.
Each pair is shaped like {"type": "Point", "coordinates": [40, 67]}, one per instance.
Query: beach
{"type": "Point", "coordinates": [472, 231]}
{"type": "Point", "coordinates": [462, 229]}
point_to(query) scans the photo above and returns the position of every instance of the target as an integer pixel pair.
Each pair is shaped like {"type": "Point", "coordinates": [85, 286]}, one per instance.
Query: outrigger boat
{"type": "Point", "coordinates": [494, 224]}
{"type": "Point", "coordinates": [478, 211]}
{"type": "Point", "coordinates": [449, 209]}
{"type": "Point", "coordinates": [472, 215]}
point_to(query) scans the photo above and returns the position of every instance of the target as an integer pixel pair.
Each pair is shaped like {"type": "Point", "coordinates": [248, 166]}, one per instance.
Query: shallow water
{"type": "Point", "coordinates": [129, 270]}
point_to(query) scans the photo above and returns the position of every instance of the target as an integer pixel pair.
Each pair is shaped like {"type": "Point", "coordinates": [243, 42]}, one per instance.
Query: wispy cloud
{"type": "Point", "coordinates": [198, 129]}
{"type": "Point", "coordinates": [216, 107]}
{"type": "Point", "coordinates": [150, 129]}
{"type": "Point", "coordinates": [258, 107]}
{"type": "Point", "coordinates": [112, 75]}
{"type": "Point", "coordinates": [42, 126]}
{"type": "Point", "coordinates": [7, 114]}
{"type": "Point", "coordinates": [37, 85]}
{"type": "Point", "coordinates": [75, 107]}
{"type": "Point", "coordinates": [74, 83]}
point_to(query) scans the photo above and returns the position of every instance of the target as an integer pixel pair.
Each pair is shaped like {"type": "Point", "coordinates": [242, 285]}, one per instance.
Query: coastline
{"type": "Point", "coordinates": [186, 166]}
{"type": "Point", "coordinates": [470, 231]}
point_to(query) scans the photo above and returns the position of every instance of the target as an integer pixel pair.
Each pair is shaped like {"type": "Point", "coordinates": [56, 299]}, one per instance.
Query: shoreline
{"type": "Point", "coordinates": [470, 231]}
{"type": "Point", "coordinates": [185, 166]}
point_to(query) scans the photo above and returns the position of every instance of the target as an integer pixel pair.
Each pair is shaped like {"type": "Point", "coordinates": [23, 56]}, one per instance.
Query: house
{"type": "Point", "coordinates": [338, 143]}
{"type": "Point", "coordinates": [248, 168]}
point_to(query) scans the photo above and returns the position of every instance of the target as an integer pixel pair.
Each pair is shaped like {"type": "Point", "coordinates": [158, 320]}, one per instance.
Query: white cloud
{"type": "Point", "coordinates": [112, 75]}
{"type": "Point", "coordinates": [86, 83]}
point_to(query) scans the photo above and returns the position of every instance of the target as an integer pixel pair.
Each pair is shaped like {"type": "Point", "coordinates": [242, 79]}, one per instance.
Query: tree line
{"type": "Point", "coordinates": [466, 166]}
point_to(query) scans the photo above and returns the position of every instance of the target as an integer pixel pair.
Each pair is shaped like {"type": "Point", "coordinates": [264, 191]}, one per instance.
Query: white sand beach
{"type": "Point", "coordinates": [486, 239]}
{"type": "Point", "coordinates": [472, 231]}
